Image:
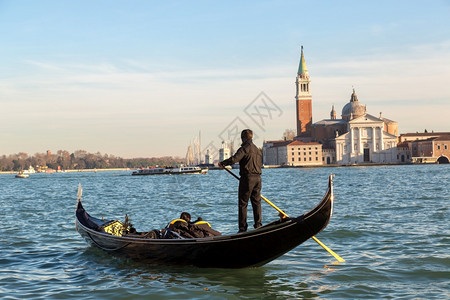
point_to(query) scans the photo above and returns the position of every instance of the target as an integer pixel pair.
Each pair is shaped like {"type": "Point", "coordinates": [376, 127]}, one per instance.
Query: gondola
{"type": "Point", "coordinates": [249, 249]}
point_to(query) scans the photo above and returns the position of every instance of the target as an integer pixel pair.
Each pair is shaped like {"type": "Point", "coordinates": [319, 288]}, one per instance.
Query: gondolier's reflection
{"type": "Point", "coordinates": [250, 160]}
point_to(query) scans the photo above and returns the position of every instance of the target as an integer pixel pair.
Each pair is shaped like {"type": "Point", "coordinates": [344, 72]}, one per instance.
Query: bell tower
{"type": "Point", "coordinates": [333, 113]}
{"type": "Point", "coordinates": [303, 98]}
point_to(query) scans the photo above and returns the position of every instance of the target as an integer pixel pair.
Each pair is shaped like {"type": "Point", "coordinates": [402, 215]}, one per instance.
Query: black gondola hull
{"type": "Point", "coordinates": [253, 248]}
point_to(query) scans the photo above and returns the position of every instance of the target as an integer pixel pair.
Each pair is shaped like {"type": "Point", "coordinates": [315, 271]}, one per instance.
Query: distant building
{"type": "Point", "coordinates": [209, 159]}
{"type": "Point", "coordinates": [328, 156]}
{"type": "Point", "coordinates": [292, 153]}
{"type": "Point", "coordinates": [275, 153]}
{"type": "Point", "coordinates": [224, 151]}
{"type": "Point", "coordinates": [366, 142]}
{"type": "Point", "coordinates": [408, 137]}
{"type": "Point", "coordinates": [304, 154]}
{"type": "Point", "coordinates": [403, 153]}
{"type": "Point", "coordinates": [427, 147]}
{"type": "Point", "coordinates": [356, 138]}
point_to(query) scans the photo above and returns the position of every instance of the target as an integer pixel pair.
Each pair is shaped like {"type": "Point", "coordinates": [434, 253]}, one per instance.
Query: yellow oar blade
{"type": "Point", "coordinates": [340, 259]}
{"type": "Point", "coordinates": [273, 205]}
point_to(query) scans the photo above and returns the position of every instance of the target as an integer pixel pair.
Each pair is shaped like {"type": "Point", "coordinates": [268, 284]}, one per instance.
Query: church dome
{"type": "Point", "coordinates": [353, 109]}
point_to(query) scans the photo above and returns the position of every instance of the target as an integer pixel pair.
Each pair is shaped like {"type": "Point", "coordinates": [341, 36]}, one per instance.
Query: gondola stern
{"type": "Point", "coordinates": [319, 217]}
{"type": "Point", "coordinates": [331, 186]}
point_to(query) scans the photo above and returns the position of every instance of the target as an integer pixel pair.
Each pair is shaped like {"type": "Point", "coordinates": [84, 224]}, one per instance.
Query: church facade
{"type": "Point", "coordinates": [357, 138]}
{"type": "Point", "coordinates": [365, 141]}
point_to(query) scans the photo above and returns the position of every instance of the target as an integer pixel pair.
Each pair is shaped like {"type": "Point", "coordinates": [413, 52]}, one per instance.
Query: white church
{"type": "Point", "coordinates": [367, 139]}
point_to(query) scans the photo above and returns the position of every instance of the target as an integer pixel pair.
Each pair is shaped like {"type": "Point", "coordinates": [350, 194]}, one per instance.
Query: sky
{"type": "Point", "coordinates": [148, 78]}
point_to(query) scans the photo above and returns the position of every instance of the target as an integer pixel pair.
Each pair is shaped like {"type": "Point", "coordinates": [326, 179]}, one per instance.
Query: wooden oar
{"type": "Point", "coordinates": [340, 259]}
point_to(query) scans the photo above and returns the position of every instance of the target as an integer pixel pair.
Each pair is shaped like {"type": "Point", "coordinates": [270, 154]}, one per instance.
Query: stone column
{"type": "Point", "coordinates": [374, 140]}
{"type": "Point", "coordinates": [338, 151]}
{"type": "Point", "coordinates": [381, 139]}
{"type": "Point", "coordinates": [360, 145]}
{"type": "Point", "coordinates": [351, 140]}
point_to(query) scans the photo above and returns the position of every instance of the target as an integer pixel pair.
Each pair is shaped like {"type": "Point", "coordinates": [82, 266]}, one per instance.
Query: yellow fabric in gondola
{"type": "Point", "coordinates": [202, 222]}
{"type": "Point", "coordinates": [114, 228]}
{"type": "Point", "coordinates": [176, 220]}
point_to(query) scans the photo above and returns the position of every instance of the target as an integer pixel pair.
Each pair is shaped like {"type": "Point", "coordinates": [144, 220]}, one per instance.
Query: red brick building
{"type": "Point", "coordinates": [428, 147]}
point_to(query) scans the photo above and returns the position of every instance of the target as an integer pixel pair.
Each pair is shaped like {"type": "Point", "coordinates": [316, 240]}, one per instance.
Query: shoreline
{"type": "Point", "coordinates": [337, 165]}
{"type": "Point", "coordinates": [218, 168]}
{"type": "Point", "coordinates": [72, 171]}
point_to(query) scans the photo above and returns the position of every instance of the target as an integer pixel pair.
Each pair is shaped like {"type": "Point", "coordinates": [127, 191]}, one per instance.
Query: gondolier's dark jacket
{"type": "Point", "coordinates": [249, 158]}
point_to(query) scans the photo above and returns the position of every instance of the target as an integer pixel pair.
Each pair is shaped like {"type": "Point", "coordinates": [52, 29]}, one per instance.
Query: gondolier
{"type": "Point", "coordinates": [250, 160]}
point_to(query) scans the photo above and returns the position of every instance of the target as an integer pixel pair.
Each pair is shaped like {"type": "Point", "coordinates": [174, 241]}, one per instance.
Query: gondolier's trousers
{"type": "Point", "coordinates": [249, 188]}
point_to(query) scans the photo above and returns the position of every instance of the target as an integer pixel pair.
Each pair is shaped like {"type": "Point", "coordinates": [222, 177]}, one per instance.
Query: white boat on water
{"type": "Point", "coordinates": [30, 170]}
{"type": "Point", "coordinates": [22, 175]}
{"type": "Point", "coordinates": [170, 171]}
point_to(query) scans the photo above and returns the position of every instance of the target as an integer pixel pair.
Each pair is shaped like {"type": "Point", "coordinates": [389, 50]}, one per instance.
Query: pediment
{"type": "Point", "coordinates": [342, 137]}
{"type": "Point", "coordinates": [365, 119]}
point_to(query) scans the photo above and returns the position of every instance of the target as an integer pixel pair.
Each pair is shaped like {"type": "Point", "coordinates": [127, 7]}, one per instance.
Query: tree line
{"type": "Point", "coordinates": [80, 159]}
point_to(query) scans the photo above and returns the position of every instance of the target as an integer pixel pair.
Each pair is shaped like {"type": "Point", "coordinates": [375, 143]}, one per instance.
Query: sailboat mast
{"type": "Point", "coordinates": [199, 147]}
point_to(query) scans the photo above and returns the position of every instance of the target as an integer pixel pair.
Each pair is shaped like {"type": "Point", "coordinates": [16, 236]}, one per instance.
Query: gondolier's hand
{"type": "Point", "coordinates": [220, 165]}
{"type": "Point", "coordinates": [282, 216]}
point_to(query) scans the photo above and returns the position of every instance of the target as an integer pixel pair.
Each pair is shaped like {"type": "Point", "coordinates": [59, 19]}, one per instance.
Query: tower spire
{"type": "Point", "coordinates": [302, 69]}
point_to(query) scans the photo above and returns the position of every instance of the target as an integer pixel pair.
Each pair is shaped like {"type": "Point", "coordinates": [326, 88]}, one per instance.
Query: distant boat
{"type": "Point", "coordinates": [170, 171]}
{"type": "Point", "coordinates": [22, 175]}
{"type": "Point", "coordinates": [30, 170]}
